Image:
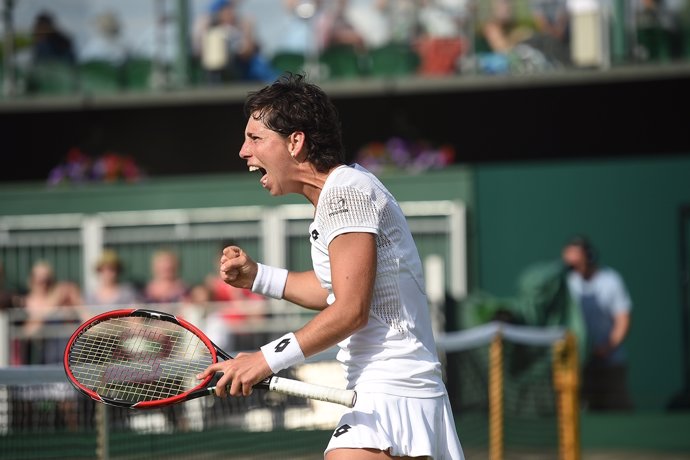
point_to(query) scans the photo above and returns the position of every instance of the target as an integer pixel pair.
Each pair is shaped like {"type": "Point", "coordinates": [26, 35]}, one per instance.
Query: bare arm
{"type": "Point", "coordinates": [621, 326]}
{"type": "Point", "coordinates": [304, 289]}
{"type": "Point", "coordinates": [353, 272]}
{"type": "Point", "coordinates": [353, 269]}
{"type": "Point", "coordinates": [498, 41]}
{"type": "Point", "coordinates": [350, 254]}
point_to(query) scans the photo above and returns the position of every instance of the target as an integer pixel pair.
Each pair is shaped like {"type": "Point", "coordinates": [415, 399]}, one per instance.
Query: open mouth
{"type": "Point", "coordinates": [263, 174]}
{"type": "Point", "coordinates": [256, 168]}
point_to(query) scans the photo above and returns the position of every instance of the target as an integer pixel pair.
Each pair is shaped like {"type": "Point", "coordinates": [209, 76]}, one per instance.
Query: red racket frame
{"type": "Point", "coordinates": [128, 312]}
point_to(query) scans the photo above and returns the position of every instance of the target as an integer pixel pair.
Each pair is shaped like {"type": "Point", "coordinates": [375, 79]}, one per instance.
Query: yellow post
{"type": "Point", "coordinates": [566, 378]}
{"type": "Point", "coordinates": [102, 432]}
{"type": "Point", "coordinates": [496, 399]}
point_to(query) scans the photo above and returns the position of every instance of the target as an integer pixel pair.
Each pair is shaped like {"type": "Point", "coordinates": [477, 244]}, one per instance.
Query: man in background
{"type": "Point", "coordinates": [606, 305]}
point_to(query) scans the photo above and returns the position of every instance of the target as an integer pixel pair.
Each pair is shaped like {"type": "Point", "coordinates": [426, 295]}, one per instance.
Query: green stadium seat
{"type": "Point", "coordinates": [393, 60]}
{"type": "Point", "coordinates": [101, 77]}
{"type": "Point", "coordinates": [656, 42]}
{"type": "Point", "coordinates": [342, 61]}
{"type": "Point", "coordinates": [285, 61]}
{"type": "Point", "coordinates": [52, 78]}
{"type": "Point", "coordinates": [196, 72]}
{"type": "Point", "coordinates": [138, 74]}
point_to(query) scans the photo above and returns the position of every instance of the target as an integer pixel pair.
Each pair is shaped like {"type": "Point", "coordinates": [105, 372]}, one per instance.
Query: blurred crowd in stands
{"type": "Point", "coordinates": [44, 310]}
{"type": "Point", "coordinates": [332, 39]}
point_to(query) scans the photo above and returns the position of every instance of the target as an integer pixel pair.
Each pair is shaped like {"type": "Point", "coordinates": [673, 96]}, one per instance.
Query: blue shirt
{"type": "Point", "coordinates": [602, 297]}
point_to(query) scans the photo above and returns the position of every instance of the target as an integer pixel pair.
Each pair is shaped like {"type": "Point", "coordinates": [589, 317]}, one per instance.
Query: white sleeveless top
{"type": "Point", "coordinates": [395, 353]}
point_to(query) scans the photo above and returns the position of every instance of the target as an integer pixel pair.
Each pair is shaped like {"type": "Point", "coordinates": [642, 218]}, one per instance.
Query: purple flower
{"type": "Point", "coordinates": [56, 175]}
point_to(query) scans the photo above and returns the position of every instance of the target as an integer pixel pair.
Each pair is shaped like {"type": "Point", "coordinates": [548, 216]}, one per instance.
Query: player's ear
{"type": "Point", "coordinates": [296, 144]}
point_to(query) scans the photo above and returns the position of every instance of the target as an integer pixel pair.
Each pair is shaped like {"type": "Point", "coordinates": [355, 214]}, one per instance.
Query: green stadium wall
{"type": "Point", "coordinates": [630, 208]}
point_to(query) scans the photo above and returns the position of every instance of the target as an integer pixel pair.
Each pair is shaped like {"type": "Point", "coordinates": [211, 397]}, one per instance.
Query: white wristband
{"type": "Point", "coordinates": [270, 281]}
{"type": "Point", "coordinates": [283, 353]}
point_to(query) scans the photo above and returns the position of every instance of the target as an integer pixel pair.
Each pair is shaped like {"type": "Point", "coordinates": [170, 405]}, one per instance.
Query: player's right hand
{"type": "Point", "coordinates": [237, 268]}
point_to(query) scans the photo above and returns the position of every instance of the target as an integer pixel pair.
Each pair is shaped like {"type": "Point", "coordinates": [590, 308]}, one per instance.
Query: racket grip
{"type": "Point", "coordinates": [311, 391]}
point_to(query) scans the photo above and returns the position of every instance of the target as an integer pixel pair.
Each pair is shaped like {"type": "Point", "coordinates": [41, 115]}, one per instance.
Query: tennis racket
{"type": "Point", "coordinates": [141, 359]}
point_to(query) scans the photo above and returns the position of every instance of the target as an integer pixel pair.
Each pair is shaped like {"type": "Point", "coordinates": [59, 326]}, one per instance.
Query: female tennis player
{"type": "Point", "coordinates": [367, 283]}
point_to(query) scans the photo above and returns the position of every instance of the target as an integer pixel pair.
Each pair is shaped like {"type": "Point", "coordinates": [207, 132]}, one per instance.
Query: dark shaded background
{"type": "Point", "coordinates": [611, 119]}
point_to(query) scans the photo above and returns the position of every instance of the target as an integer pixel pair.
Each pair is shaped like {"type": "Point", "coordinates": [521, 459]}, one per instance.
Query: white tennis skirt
{"type": "Point", "coordinates": [413, 427]}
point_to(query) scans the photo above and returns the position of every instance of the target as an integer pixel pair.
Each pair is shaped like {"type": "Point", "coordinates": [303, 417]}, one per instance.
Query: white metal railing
{"type": "Point", "coordinates": [81, 238]}
{"type": "Point", "coordinates": [270, 225]}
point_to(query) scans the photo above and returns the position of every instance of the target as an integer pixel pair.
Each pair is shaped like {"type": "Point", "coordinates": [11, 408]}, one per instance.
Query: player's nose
{"type": "Point", "coordinates": [244, 152]}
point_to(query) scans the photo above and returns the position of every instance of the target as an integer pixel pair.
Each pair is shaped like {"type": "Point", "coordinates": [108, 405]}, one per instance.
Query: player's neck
{"type": "Point", "coordinates": [313, 183]}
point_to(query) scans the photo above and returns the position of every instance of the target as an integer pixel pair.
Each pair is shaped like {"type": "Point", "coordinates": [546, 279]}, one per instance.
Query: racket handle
{"type": "Point", "coordinates": [311, 391]}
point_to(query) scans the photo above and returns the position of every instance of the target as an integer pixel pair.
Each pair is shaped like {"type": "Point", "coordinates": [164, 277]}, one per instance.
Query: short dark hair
{"type": "Point", "coordinates": [585, 244]}
{"type": "Point", "coordinates": [292, 104]}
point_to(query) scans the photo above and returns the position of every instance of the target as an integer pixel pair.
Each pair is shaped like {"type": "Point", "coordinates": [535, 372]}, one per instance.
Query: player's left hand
{"type": "Point", "coordinates": [237, 268]}
{"type": "Point", "coordinates": [241, 374]}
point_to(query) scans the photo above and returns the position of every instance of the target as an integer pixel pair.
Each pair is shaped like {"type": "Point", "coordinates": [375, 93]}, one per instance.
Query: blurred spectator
{"type": "Point", "coordinates": [334, 27]}
{"type": "Point", "coordinates": [373, 22]}
{"type": "Point", "coordinates": [660, 28]}
{"type": "Point", "coordinates": [552, 24]}
{"type": "Point", "coordinates": [299, 27]}
{"type": "Point", "coordinates": [402, 17]}
{"type": "Point", "coordinates": [228, 46]}
{"type": "Point", "coordinates": [49, 42]}
{"type": "Point", "coordinates": [51, 64]}
{"type": "Point", "coordinates": [503, 44]}
{"type": "Point", "coordinates": [441, 39]}
{"type": "Point", "coordinates": [110, 289]}
{"type": "Point", "coordinates": [7, 297]}
{"type": "Point", "coordinates": [165, 285]}
{"type": "Point", "coordinates": [47, 302]}
{"type": "Point", "coordinates": [606, 305]}
{"type": "Point", "coordinates": [501, 29]}
{"type": "Point", "coordinates": [443, 18]}
{"type": "Point", "coordinates": [199, 311]}
{"type": "Point", "coordinates": [107, 45]}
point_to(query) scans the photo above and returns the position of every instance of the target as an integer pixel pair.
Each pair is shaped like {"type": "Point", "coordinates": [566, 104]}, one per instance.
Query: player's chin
{"type": "Point", "coordinates": [275, 191]}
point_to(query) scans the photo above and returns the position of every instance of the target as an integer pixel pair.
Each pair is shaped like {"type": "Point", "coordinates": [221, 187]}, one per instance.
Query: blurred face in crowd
{"type": "Point", "coordinates": [108, 273]}
{"type": "Point", "coordinates": [165, 266]}
{"type": "Point", "coordinates": [227, 15]}
{"type": "Point", "coordinates": [502, 10]}
{"type": "Point", "coordinates": [575, 257]}
{"type": "Point", "coordinates": [42, 276]}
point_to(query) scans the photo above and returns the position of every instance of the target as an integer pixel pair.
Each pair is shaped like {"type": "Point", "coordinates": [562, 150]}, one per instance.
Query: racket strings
{"type": "Point", "coordinates": [138, 359]}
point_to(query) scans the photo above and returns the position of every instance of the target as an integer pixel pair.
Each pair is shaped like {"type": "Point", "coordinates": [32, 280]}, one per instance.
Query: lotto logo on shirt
{"type": "Point", "coordinates": [341, 430]}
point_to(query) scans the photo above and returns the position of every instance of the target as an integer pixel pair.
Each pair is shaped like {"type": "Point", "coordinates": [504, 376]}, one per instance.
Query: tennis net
{"type": "Point", "coordinates": [511, 389]}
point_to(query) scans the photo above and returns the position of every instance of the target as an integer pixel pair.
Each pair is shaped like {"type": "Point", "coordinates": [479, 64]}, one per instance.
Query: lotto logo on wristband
{"type": "Point", "coordinates": [283, 352]}
{"type": "Point", "coordinates": [282, 345]}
